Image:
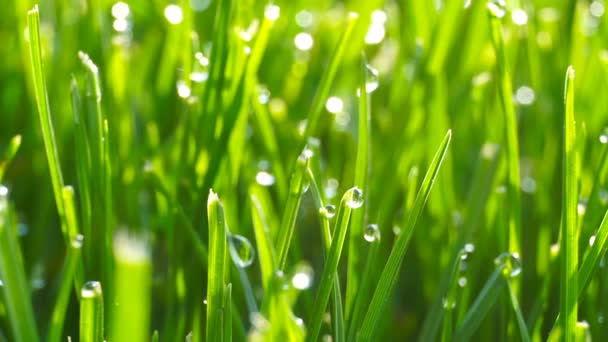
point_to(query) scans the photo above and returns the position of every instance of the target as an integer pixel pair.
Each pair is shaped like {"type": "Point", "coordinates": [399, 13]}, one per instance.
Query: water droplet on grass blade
{"type": "Point", "coordinates": [263, 94]}
{"type": "Point", "coordinates": [591, 240]}
{"type": "Point", "coordinates": [497, 8]}
{"type": "Point", "coordinates": [328, 211]}
{"type": "Point", "coordinates": [371, 233]}
{"type": "Point", "coordinates": [462, 281]}
{"type": "Point", "coordinates": [241, 250]}
{"type": "Point", "coordinates": [303, 41]}
{"type": "Point", "coordinates": [448, 304]}
{"type": "Point", "coordinates": [354, 198]}
{"type": "Point", "coordinates": [604, 136]}
{"type": "Point", "coordinates": [182, 89]}
{"type": "Point", "coordinates": [510, 262]}
{"type": "Point", "coordinates": [91, 289]}
{"type": "Point", "coordinates": [371, 80]}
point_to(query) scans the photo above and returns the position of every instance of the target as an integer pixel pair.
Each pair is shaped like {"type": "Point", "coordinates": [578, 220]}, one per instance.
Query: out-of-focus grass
{"type": "Point", "coordinates": [118, 118]}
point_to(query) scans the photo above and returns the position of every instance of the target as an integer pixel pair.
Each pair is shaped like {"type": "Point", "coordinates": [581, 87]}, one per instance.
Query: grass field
{"type": "Point", "coordinates": [363, 170]}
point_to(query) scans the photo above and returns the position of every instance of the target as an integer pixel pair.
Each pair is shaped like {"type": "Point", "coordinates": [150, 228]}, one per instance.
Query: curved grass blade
{"type": "Point", "coordinates": [521, 323]}
{"type": "Point", "coordinates": [592, 258]}
{"type": "Point", "coordinates": [569, 243]}
{"type": "Point", "coordinates": [352, 199]}
{"type": "Point", "coordinates": [296, 188]}
{"type": "Point", "coordinates": [361, 177]}
{"type": "Point", "coordinates": [267, 255]}
{"type": "Point", "coordinates": [63, 298]}
{"type": "Point", "coordinates": [17, 301]}
{"type": "Point", "coordinates": [390, 273]}
{"type": "Point", "coordinates": [482, 305]}
{"type": "Point", "coordinates": [216, 270]}
{"type": "Point", "coordinates": [337, 312]}
{"type": "Point", "coordinates": [328, 77]}
{"type": "Point", "coordinates": [44, 111]}
{"type": "Point", "coordinates": [511, 144]}
{"type": "Point", "coordinates": [91, 312]}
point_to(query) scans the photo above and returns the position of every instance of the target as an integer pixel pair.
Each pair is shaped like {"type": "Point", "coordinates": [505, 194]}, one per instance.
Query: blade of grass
{"type": "Point", "coordinates": [569, 243]}
{"type": "Point", "coordinates": [132, 281]}
{"type": "Point", "coordinates": [482, 305]}
{"type": "Point", "coordinates": [352, 199]}
{"type": "Point", "coordinates": [388, 278]}
{"type": "Point", "coordinates": [297, 183]}
{"type": "Point", "coordinates": [521, 323]}
{"type": "Point", "coordinates": [16, 299]}
{"type": "Point", "coordinates": [44, 112]}
{"type": "Point", "coordinates": [505, 89]}
{"type": "Point", "coordinates": [63, 298]}
{"type": "Point", "coordinates": [267, 255]}
{"type": "Point", "coordinates": [228, 313]}
{"type": "Point", "coordinates": [337, 313]}
{"type": "Point", "coordinates": [328, 77]}
{"type": "Point", "coordinates": [592, 257]}
{"type": "Point", "coordinates": [91, 312]}
{"type": "Point", "coordinates": [83, 163]}
{"type": "Point", "coordinates": [361, 178]}
{"type": "Point", "coordinates": [216, 270]}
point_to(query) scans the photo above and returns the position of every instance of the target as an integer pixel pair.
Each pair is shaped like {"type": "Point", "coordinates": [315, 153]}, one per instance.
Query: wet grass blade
{"type": "Point", "coordinates": [63, 298]}
{"type": "Point", "coordinates": [91, 312]}
{"type": "Point", "coordinates": [592, 257]}
{"type": "Point", "coordinates": [132, 281]}
{"type": "Point", "coordinates": [328, 77]}
{"type": "Point", "coordinates": [390, 273]}
{"type": "Point", "coordinates": [325, 212]}
{"type": "Point", "coordinates": [521, 323]}
{"type": "Point", "coordinates": [267, 255]}
{"type": "Point", "coordinates": [44, 110]}
{"type": "Point", "coordinates": [569, 243]}
{"type": "Point", "coordinates": [482, 305]}
{"type": "Point", "coordinates": [505, 89]}
{"type": "Point", "coordinates": [296, 188]}
{"type": "Point", "coordinates": [216, 270]}
{"type": "Point", "coordinates": [17, 301]}
{"type": "Point", "coordinates": [355, 238]}
{"type": "Point", "coordinates": [352, 199]}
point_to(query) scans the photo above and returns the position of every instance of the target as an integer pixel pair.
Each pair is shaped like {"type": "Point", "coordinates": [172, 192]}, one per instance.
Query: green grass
{"type": "Point", "coordinates": [357, 170]}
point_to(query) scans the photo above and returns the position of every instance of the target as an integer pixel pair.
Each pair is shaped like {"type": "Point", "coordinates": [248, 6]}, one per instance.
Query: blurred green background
{"type": "Point", "coordinates": [436, 70]}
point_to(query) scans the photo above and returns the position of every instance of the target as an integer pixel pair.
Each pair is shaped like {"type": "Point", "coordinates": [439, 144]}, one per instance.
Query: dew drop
{"type": "Point", "coordinates": [371, 233]}
{"type": "Point", "coordinates": [469, 248]}
{"type": "Point", "coordinates": [303, 41]}
{"type": "Point", "coordinates": [511, 263]}
{"type": "Point", "coordinates": [581, 207]}
{"type": "Point", "coordinates": [264, 178]}
{"type": "Point", "coordinates": [182, 89]}
{"type": "Point", "coordinates": [77, 241]}
{"type": "Point", "coordinates": [371, 80]}
{"type": "Point", "coordinates": [174, 14]}
{"type": "Point", "coordinates": [396, 230]}
{"type": "Point", "coordinates": [462, 281]}
{"type": "Point", "coordinates": [448, 304]}
{"type": "Point", "coordinates": [354, 198]}
{"type": "Point", "coordinates": [304, 19]}
{"type": "Point", "coordinates": [604, 136]}
{"type": "Point", "coordinates": [331, 187]}
{"type": "Point", "coordinates": [591, 240]}
{"type": "Point", "coordinates": [328, 211]}
{"type": "Point", "coordinates": [241, 250]}
{"type": "Point", "coordinates": [263, 94]}
{"type": "Point", "coordinates": [334, 105]}
{"type": "Point", "coordinates": [22, 229]}
{"type": "Point", "coordinates": [497, 8]}
{"type": "Point", "coordinates": [272, 12]}
{"type": "Point", "coordinates": [91, 289]}
{"type": "Point", "coordinates": [120, 10]}
{"type": "Point", "coordinates": [1, 283]}
{"type": "Point", "coordinates": [603, 196]}
{"type": "Point", "coordinates": [302, 279]}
